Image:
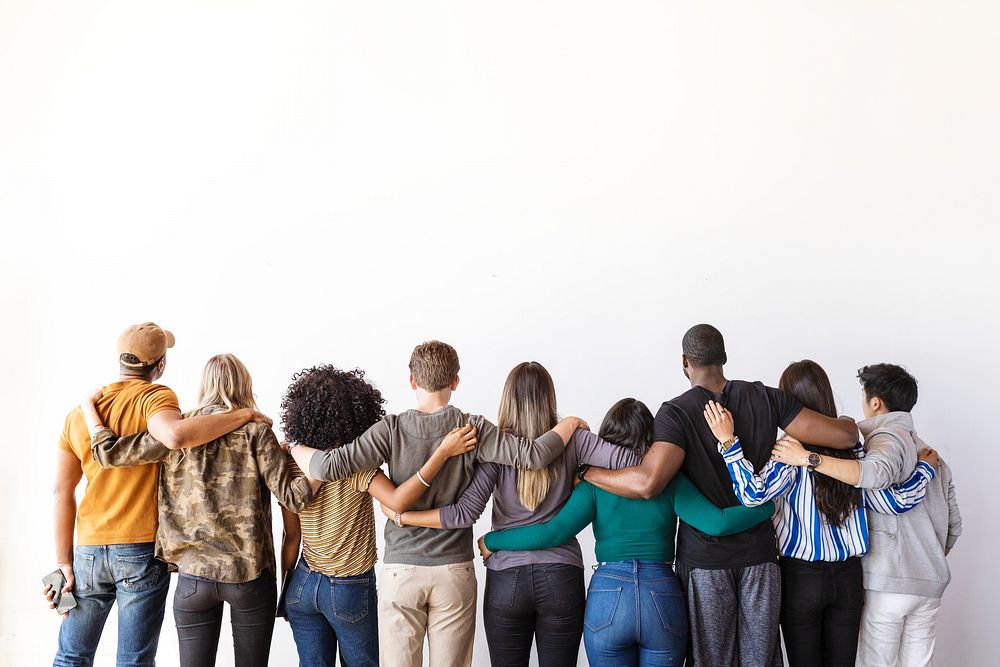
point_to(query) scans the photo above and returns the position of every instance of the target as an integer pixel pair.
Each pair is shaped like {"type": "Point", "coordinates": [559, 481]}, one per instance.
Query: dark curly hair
{"type": "Point", "coordinates": [326, 407]}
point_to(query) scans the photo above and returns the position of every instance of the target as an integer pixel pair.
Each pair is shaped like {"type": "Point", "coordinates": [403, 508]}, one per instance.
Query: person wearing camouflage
{"type": "Point", "coordinates": [215, 517]}
{"type": "Point", "coordinates": [104, 544]}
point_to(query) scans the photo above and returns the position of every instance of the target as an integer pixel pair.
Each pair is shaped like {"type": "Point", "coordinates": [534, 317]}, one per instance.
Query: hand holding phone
{"type": "Point", "coordinates": [63, 601]}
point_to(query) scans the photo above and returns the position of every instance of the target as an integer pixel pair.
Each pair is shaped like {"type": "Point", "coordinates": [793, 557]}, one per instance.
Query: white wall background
{"type": "Point", "coordinates": [570, 182]}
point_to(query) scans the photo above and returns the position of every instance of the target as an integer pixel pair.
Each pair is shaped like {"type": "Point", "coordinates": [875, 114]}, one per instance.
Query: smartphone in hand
{"type": "Point", "coordinates": [63, 601]}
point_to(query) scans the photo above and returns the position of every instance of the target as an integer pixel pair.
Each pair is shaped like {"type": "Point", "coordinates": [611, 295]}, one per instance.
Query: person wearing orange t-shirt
{"type": "Point", "coordinates": [115, 522]}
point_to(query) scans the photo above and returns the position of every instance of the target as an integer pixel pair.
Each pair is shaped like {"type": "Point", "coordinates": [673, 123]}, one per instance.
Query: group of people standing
{"type": "Point", "coordinates": [828, 536]}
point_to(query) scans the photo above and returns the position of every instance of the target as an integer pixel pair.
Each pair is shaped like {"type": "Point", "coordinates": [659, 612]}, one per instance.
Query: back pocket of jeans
{"type": "Point", "coordinates": [801, 590]}
{"type": "Point", "coordinates": [673, 615]}
{"type": "Point", "coordinates": [350, 599]}
{"type": "Point", "coordinates": [186, 587]}
{"type": "Point", "coordinates": [142, 572]}
{"type": "Point", "coordinates": [501, 586]}
{"type": "Point", "coordinates": [601, 607]}
{"type": "Point", "coordinates": [83, 571]}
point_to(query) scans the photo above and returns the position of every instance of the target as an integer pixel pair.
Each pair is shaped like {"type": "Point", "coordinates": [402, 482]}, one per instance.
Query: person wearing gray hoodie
{"type": "Point", "coordinates": [905, 570]}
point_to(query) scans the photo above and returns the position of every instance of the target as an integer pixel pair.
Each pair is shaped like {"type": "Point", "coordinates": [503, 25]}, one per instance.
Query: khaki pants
{"type": "Point", "coordinates": [439, 600]}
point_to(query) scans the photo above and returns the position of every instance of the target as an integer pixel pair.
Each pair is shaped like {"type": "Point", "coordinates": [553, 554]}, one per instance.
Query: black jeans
{"type": "Point", "coordinates": [821, 611]}
{"type": "Point", "coordinates": [544, 601]}
{"type": "Point", "coordinates": [198, 616]}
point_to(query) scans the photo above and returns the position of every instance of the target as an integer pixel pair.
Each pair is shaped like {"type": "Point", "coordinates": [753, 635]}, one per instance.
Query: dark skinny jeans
{"type": "Point", "coordinates": [544, 602]}
{"type": "Point", "coordinates": [198, 615]}
{"type": "Point", "coordinates": [821, 611]}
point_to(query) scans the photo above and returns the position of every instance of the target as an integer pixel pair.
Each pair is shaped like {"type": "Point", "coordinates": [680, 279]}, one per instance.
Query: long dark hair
{"type": "Point", "coordinates": [807, 381]}
{"type": "Point", "coordinates": [629, 424]}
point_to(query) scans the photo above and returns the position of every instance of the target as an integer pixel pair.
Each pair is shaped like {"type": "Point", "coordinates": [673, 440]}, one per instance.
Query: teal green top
{"type": "Point", "coordinates": [627, 529]}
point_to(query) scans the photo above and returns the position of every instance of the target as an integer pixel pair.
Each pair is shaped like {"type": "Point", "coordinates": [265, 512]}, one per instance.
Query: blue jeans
{"type": "Point", "coordinates": [635, 616]}
{"type": "Point", "coordinates": [128, 574]}
{"type": "Point", "coordinates": [326, 611]}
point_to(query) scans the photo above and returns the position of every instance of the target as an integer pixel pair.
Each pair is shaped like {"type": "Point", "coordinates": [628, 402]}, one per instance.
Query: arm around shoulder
{"type": "Point", "coordinates": [369, 451]}
{"type": "Point", "coordinates": [112, 451]}
{"type": "Point", "coordinates": [175, 431]}
{"type": "Point", "coordinates": [505, 448]}
{"type": "Point", "coordinates": [883, 463]}
{"type": "Point", "coordinates": [818, 429]}
{"type": "Point", "coordinates": [644, 481]}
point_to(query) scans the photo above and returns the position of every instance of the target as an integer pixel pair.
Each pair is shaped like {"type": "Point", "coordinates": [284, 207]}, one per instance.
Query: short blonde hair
{"type": "Point", "coordinates": [434, 365]}
{"type": "Point", "coordinates": [226, 382]}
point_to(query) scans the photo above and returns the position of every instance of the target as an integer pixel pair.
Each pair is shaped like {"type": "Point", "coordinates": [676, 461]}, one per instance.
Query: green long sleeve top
{"type": "Point", "coordinates": [627, 529]}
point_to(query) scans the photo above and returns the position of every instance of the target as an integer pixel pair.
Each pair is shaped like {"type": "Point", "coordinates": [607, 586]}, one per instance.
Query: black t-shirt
{"type": "Point", "coordinates": [758, 412]}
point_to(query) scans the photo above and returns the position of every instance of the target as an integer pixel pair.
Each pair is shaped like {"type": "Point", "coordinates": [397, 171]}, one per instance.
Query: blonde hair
{"type": "Point", "coordinates": [226, 382]}
{"type": "Point", "coordinates": [528, 408]}
{"type": "Point", "coordinates": [434, 365]}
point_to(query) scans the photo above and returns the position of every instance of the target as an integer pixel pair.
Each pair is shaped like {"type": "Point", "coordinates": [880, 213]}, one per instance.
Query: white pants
{"type": "Point", "coordinates": [897, 630]}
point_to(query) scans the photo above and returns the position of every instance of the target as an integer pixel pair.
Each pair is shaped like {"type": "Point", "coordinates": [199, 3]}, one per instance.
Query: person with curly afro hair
{"type": "Point", "coordinates": [428, 593]}
{"type": "Point", "coordinates": [330, 594]}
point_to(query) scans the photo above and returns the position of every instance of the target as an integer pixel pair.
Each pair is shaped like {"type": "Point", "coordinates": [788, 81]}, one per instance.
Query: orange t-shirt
{"type": "Point", "coordinates": [119, 504]}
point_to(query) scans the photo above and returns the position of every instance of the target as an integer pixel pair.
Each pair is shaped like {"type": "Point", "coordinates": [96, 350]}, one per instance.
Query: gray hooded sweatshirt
{"type": "Point", "coordinates": [906, 552]}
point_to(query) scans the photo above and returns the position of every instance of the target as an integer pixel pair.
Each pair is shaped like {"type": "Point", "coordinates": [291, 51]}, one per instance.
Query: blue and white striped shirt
{"type": "Point", "coordinates": [803, 531]}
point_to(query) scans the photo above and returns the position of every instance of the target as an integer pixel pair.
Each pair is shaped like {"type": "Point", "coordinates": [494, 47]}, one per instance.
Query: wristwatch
{"type": "Point", "coordinates": [724, 446]}
{"type": "Point", "coordinates": [814, 460]}
{"type": "Point", "coordinates": [581, 470]}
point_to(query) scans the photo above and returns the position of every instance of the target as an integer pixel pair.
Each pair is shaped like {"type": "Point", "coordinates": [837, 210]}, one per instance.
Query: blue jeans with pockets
{"type": "Point", "coordinates": [130, 575]}
{"type": "Point", "coordinates": [635, 616]}
{"type": "Point", "coordinates": [325, 612]}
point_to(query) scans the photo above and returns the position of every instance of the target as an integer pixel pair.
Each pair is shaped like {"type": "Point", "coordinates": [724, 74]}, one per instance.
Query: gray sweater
{"type": "Point", "coordinates": [405, 442]}
{"type": "Point", "coordinates": [907, 551]}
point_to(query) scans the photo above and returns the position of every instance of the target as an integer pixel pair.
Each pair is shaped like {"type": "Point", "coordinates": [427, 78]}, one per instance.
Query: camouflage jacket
{"type": "Point", "coordinates": [214, 500]}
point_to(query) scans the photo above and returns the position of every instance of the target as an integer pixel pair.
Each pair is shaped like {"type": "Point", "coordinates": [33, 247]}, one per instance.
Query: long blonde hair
{"type": "Point", "coordinates": [528, 408]}
{"type": "Point", "coordinates": [226, 382]}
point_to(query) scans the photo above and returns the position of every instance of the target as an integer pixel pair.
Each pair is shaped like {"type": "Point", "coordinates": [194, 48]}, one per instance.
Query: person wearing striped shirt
{"type": "Point", "coordinates": [906, 570]}
{"type": "Point", "coordinates": [330, 599]}
{"type": "Point", "coordinates": [821, 528]}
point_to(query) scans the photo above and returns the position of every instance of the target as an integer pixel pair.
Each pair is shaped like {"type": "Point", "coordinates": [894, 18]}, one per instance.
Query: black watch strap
{"type": "Point", "coordinates": [581, 470]}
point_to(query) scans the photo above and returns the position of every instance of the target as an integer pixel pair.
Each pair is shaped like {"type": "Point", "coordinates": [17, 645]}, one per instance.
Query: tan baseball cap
{"type": "Point", "coordinates": [146, 341]}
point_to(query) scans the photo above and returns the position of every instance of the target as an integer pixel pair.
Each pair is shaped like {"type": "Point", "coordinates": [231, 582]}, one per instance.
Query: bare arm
{"type": "Point", "coordinates": [791, 452]}
{"type": "Point", "coordinates": [176, 432]}
{"type": "Point", "coordinates": [68, 475]}
{"type": "Point", "coordinates": [400, 498]}
{"type": "Point", "coordinates": [465, 511]}
{"type": "Point", "coordinates": [884, 462]}
{"type": "Point", "coordinates": [818, 429]}
{"type": "Point", "coordinates": [291, 538]}
{"type": "Point", "coordinates": [646, 480]}
{"type": "Point", "coordinates": [420, 518]}
{"type": "Point", "coordinates": [112, 451]}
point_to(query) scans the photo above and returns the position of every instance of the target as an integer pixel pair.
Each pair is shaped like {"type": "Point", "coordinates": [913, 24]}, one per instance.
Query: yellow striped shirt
{"type": "Point", "coordinates": [338, 527]}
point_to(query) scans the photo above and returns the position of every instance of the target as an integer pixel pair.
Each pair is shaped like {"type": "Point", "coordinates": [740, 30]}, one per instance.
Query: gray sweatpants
{"type": "Point", "coordinates": [733, 615]}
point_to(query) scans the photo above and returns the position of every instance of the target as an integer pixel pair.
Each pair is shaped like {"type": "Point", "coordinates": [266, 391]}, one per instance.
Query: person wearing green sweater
{"type": "Point", "coordinates": [635, 612]}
